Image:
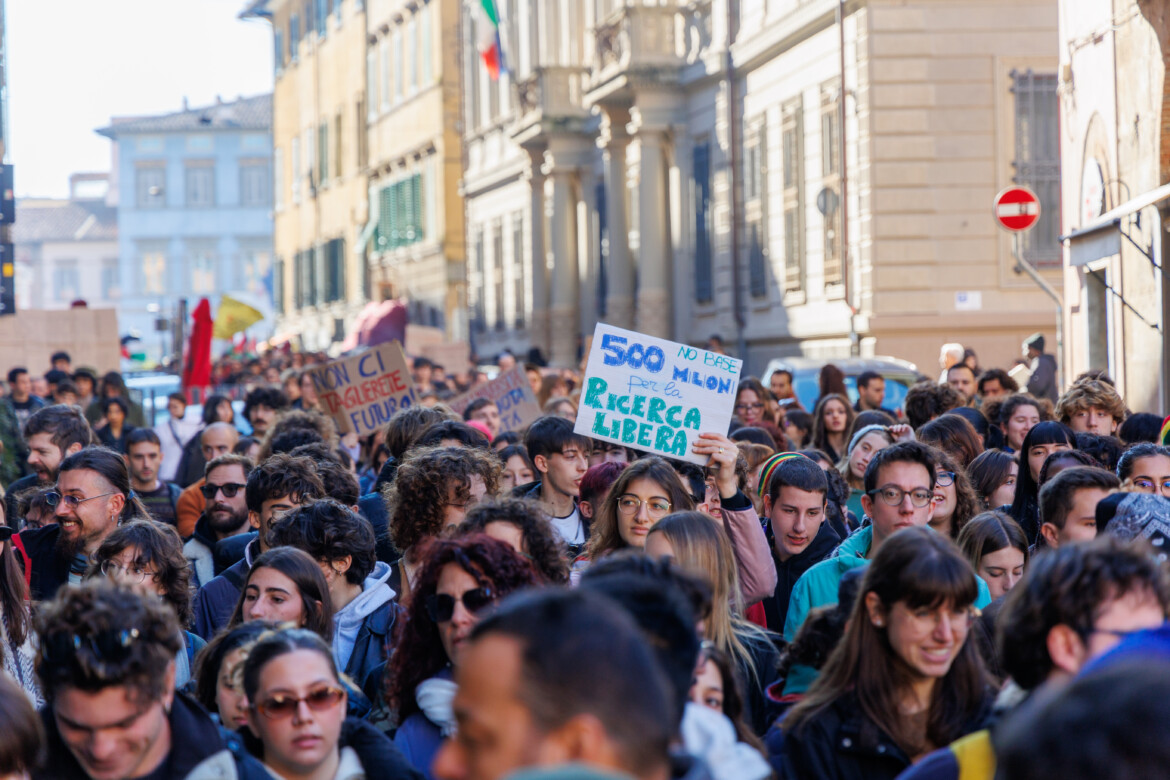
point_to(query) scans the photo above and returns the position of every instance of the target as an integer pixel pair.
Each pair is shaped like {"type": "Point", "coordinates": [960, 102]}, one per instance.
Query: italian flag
{"type": "Point", "coordinates": [488, 41]}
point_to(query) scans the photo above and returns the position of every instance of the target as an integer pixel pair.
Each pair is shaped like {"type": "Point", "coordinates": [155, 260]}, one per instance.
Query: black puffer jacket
{"type": "Point", "coordinates": [789, 571]}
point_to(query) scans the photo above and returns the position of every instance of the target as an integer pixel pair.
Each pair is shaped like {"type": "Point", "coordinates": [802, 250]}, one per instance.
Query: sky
{"type": "Point", "coordinates": [72, 64]}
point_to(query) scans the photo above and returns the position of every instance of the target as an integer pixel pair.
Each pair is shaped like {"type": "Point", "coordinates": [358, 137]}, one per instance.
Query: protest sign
{"type": "Point", "coordinates": [511, 393]}
{"type": "Point", "coordinates": [362, 392]}
{"type": "Point", "coordinates": [655, 395]}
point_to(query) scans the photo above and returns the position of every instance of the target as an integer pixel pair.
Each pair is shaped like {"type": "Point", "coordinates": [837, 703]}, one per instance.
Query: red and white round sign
{"type": "Point", "coordinates": [1016, 208]}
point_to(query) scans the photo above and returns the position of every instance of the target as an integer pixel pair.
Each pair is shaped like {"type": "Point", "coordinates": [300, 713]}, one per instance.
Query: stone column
{"type": "Point", "coordinates": [587, 246]}
{"type": "Point", "coordinates": [565, 291]}
{"type": "Point", "coordinates": [538, 273]}
{"type": "Point", "coordinates": [654, 299]}
{"type": "Point", "coordinates": [620, 277]}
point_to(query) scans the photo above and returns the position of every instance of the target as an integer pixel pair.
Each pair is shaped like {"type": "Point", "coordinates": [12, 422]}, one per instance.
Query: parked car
{"type": "Point", "coordinates": [899, 376]}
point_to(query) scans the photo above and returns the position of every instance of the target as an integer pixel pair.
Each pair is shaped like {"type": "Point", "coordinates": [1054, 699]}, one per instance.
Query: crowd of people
{"type": "Point", "coordinates": [954, 588]}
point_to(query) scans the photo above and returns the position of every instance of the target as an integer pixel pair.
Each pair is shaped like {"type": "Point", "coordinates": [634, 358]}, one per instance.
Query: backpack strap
{"type": "Point", "coordinates": [19, 545]}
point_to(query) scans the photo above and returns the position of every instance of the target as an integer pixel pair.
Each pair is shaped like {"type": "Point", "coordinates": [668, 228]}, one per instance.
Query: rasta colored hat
{"type": "Point", "coordinates": [1164, 434]}
{"type": "Point", "coordinates": [768, 467]}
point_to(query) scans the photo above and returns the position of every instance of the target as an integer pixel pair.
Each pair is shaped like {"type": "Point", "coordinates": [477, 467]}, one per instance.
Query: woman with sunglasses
{"type": "Point", "coordinates": [147, 557]}
{"type": "Point", "coordinates": [904, 679]}
{"type": "Point", "coordinates": [297, 712]}
{"type": "Point", "coordinates": [458, 580]}
{"type": "Point", "coordinates": [16, 630]}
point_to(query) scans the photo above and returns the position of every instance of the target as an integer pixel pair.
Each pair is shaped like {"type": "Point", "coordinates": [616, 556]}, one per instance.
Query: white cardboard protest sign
{"type": "Point", "coordinates": [362, 392]}
{"type": "Point", "coordinates": [655, 395]}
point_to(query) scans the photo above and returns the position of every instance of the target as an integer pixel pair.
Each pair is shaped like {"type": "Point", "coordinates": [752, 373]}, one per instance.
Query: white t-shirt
{"type": "Point", "coordinates": [570, 528]}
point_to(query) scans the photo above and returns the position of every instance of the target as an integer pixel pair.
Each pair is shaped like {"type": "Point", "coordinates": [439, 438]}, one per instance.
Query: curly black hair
{"type": "Point", "coordinates": [416, 500]}
{"type": "Point", "coordinates": [271, 397]}
{"type": "Point", "coordinates": [328, 531]}
{"type": "Point", "coordinates": [542, 546]}
{"type": "Point", "coordinates": [419, 652]}
{"type": "Point", "coordinates": [283, 475]}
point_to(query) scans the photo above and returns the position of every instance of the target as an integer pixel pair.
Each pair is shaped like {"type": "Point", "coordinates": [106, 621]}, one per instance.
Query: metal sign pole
{"type": "Point", "coordinates": [1024, 266]}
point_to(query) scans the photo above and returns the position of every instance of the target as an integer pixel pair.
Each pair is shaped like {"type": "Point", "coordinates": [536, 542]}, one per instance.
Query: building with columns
{"type": "Point", "coordinates": [799, 177]}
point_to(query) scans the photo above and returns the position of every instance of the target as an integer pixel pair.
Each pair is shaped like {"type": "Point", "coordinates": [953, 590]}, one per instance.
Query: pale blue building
{"type": "Point", "coordinates": [194, 196]}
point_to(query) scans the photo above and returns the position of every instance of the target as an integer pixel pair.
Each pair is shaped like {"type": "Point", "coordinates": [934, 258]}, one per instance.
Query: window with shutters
{"type": "Point", "coordinates": [792, 151]}
{"type": "Point", "coordinates": [278, 285]}
{"type": "Point", "coordinates": [150, 184]}
{"type": "Point", "coordinates": [755, 206]}
{"type": "Point", "coordinates": [200, 185]}
{"type": "Point", "coordinates": [298, 280]}
{"type": "Point", "coordinates": [335, 270]}
{"type": "Point", "coordinates": [66, 280]}
{"type": "Point", "coordinates": [294, 36]}
{"type": "Point", "coordinates": [254, 178]}
{"type": "Point", "coordinates": [428, 67]}
{"type": "Point", "coordinates": [475, 284]}
{"type": "Point", "coordinates": [400, 214]}
{"type": "Point", "coordinates": [498, 270]}
{"type": "Point", "coordinates": [372, 83]}
{"type": "Point", "coordinates": [278, 49]}
{"type": "Point", "coordinates": [323, 153]}
{"type": "Point", "coordinates": [363, 149]}
{"type": "Point", "coordinates": [831, 184]}
{"type": "Point", "coordinates": [203, 261]}
{"type": "Point", "coordinates": [519, 289]}
{"type": "Point", "coordinates": [1037, 160]}
{"type": "Point", "coordinates": [313, 287]}
{"type": "Point", "coordinates": [701, 161]}
{"type": "Point", "coordinates": [322, 17]}
{"type": "Point", "coordinates": [384, 53]}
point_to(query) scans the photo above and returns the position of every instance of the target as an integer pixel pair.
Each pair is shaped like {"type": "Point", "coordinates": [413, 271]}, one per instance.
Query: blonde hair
{"type": "Point", "coordinates": [702, 548]}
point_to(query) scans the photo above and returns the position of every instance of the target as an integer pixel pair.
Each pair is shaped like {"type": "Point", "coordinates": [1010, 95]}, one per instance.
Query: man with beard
{"type": "Point", "coordinates": [216, 440]}
{"type": "Point", "coordinates": [91, 498]}
{"type": "Point", "coordinates": [144, 459]}
{"type": "Point", "coordinates": [51, 434]}
{"type": "Point", "coordinates": [225, 513]}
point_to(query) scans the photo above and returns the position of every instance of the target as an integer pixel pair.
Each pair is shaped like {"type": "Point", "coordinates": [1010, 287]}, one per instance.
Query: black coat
{"type": "Point", "coordinates": [381, 759]}
{"type": "Point", "coordinates": [195, 737]}
{"type": "Point", "coordinates": [759, 711]}
{"type": "Point", "coordinates": [788, 572]}
{"type": "Point", "coordinates": [50, 570]}
{"type": "Point", "coordinates": [842, 743]}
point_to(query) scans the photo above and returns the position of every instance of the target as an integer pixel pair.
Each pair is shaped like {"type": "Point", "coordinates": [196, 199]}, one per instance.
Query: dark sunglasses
{"type": "Point", "coordinates": [6, 533]}
{"type": "Point", "coordinates": [229, 489]}
{"type": "Point", "coordinates": [441, 606]}
{"type": "Point", "coordinates": [283, 705]}
{"type": "Point", "coordinates": [110, 647]}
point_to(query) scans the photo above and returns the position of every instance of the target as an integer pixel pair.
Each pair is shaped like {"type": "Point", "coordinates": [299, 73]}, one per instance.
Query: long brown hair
{"type": "Point", "coordinates": [605, 536]}
{"type": "Point", "coordinates": [919, 568]}
{"type": "Point", "coordinates": [820, 437]}
{"type": "Point", "coordinates": [13, 595]}
{"type": "Point", "coordinates": [966, 500]}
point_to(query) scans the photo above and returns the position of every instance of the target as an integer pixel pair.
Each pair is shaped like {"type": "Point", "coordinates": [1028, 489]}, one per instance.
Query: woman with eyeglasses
{"type": "Point", "coordinates": [903, 681]}
{"type": "Point", "coordinates": [458, 581]}
{"type": "Point", "coordinates": [16, 629]}
{"type": "Point", "coordinates": [756, 408]}
{"type": "Point", "coordinates": [647, 491]}
{"type": "Point", "coordinates": [955, 501]}
{"type": "Point", "coordinates": [297, 711]}
{"type": "Point", "coordinates": [147, 557]}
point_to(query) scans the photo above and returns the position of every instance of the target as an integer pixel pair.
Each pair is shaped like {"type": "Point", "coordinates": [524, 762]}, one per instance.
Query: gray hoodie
{"type": "Point", "coordinates": [348, 621]}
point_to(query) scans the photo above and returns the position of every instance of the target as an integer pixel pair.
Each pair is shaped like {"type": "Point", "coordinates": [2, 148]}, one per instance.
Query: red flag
{"type": "Point", "coordinates": [197, 365]}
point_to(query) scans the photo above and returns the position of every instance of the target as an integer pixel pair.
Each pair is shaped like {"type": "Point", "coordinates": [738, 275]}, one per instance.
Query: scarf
{"type": "Point", "coordinates": [435, 698]}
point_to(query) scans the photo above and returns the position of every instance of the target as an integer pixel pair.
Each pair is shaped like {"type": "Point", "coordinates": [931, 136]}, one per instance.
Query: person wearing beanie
{"type": "Point", "coordinates": [1042, 382]}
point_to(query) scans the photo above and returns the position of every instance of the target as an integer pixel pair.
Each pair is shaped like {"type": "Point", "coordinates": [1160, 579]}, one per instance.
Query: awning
{"type": "Point", "coordinates": [1102, 237]}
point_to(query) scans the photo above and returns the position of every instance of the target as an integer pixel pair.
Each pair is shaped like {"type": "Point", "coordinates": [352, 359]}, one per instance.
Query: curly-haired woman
{"type": "Point", "coordinates": [458, 579]}
{"type": "Point", "coordinates": [147, 556]}
{"type": "Point", "coordinates": [434, 488]}
{"type": "Point", "coordinates": [521, 524]}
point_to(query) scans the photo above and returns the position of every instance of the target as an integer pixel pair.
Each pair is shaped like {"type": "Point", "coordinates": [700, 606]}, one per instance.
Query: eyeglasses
{"type": "Point", "coordinates": [945, 478]}
{"type": "Point", "coordinates": [441, 606]}
{"type": "Point", "coordinates": [655, 507]}
{"type": "Point", "coordinates": [106, 647]}
{"type": "Point", "coordinates": [6, 532]}
{"type": "Point", "coordinates": [53, 498]}
{"type": "Point", "coordinates": [749, 407]}
{"type": "Point", "coordinates": [131, 574]}
{"type": "Point", "coordinates": [230, 489]}
{"type": "Point", "coordinates": [1120, 634]}
{"type": "Point", "coordinates": [283, 705]}
{"type": "Point", "coordinates": [1141, 483]}
{"type": "Point", "coordinates": [893, 496]}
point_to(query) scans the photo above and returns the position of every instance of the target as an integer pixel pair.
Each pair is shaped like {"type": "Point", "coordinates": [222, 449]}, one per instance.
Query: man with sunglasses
{"type": "Point", "coordinates": [106, 659]}
{"type": "Point", "coordinates": [225, 513]}
{"type": "Point", "coordinates": [899, 493]}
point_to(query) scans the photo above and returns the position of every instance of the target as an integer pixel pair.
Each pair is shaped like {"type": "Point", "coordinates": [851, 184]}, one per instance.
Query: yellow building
{"type": "Point", "coordinates": [319, 163]}
{"type": "Point", "coordinates": [414, 238]}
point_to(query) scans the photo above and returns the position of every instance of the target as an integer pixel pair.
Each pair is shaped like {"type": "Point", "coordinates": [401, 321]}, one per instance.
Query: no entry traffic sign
{"type": "Point", "coordinates": [1016, 209]}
